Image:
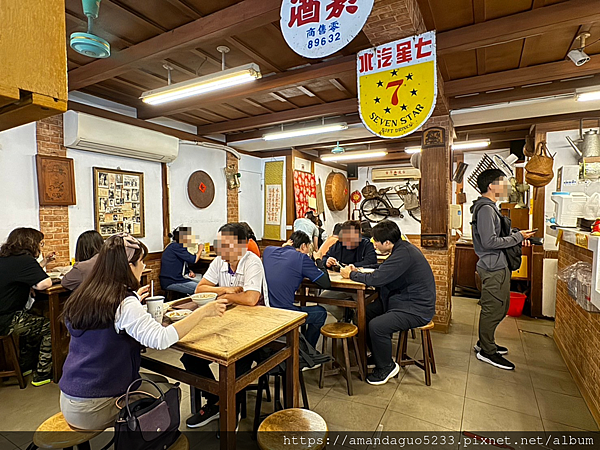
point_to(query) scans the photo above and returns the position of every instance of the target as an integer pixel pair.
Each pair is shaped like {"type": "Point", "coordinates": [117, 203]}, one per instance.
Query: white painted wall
{"type": "Point", "coordinates": [407, 225]}
{"type": "Point", "coordinates": [331, 217]}
{"type": "Point", "coordinates": [81, 215]}
{"type": "Point", "coordinates": [205, 222]}
{"type": "Point", "coordinates": [19, 193]}
{"type": "Point", "coordinates": [251, 199]}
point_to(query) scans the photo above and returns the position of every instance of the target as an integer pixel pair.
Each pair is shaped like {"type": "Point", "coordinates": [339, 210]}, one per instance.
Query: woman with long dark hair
{"type": "Point", "coordinates": [174, 261]}
{"type": "Point", "coordinates": [19, 272]}
{"type": "Point", "coordinates": [108, 327]}
{"type": "Point", "coordinates": [89, 244]}
{"type": "Point", "coordinates": [252, 241]}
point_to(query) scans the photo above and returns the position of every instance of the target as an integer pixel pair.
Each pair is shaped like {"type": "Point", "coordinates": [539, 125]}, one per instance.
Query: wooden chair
{"type": "Point", "coordinates": [287, 423]}
{"type": "Point", "coordinates": [56, 433]}
{"type": "Point", "coordinates": [342, 331]}
{"type": "Point", "coordinates": [428, 361]}
{"type": "Point", "coordinates": [10, 344]}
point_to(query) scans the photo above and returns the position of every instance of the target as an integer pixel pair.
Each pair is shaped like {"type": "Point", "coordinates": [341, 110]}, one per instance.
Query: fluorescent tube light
{"type": "Point", "coordinates": [481, 143]}
{"type": "Point", "coordinates": [202, 85]}
{"type": "Point", "coordinates": [411, 150]}
{"type": "Point", "coordinates": [354, 155]}
{"type": "Point", "coordinates": [588, 96]}
{"type": "Point", "coordinates": [305, 131]}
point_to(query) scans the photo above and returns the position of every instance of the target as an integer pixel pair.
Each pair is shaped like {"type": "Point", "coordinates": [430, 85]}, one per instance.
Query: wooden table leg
{"type": "Point", "coordinates": [292, 373]}
{"type": "Point", "coordinates": [227, 406]}
{"type": "Point", "coordinates": [362, 328]}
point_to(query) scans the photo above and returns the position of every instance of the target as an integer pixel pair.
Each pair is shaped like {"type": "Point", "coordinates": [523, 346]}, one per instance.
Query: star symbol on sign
{"type": "Point", "coordinates": [404, 107]}
{"type": "Point", "coordinates": [394, 73]}
{"type": "Point", "coordinates": [409, 76]}
{"type": "Point", "coordinates": [387, 110]}
{"type": "Point", "coordinates": [380, 83]}
{"type": "Point", "coordinates": [377, 99]}
{"type": "Point", "coordinates": [413, 92]}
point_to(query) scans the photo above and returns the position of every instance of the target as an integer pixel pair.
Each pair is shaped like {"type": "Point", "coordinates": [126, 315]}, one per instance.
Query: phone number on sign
{"type": "Point", "coordinates": [324, 40]}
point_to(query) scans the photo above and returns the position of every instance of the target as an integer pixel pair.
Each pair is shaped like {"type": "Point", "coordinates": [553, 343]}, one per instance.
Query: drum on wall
{"type": "Point", "coordinates": [336, 191]}
{"type": "Point", "coordinates": [201, 189]}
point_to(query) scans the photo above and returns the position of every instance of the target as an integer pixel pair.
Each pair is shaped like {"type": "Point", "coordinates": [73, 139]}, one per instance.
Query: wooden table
{"type": "Point", "coordinates": [55, 297]}
{"type": "Point", "coordinates": [364, 296]}
{"type": "Point", "coordinates": [225, 340]}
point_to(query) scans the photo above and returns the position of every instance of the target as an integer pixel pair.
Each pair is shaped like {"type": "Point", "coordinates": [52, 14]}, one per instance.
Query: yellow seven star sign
{"type": "Point", "coordinates": [397, 85]}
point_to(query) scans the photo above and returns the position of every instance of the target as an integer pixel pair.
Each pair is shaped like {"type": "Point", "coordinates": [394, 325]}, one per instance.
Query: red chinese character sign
{"type": "Point", "coordinates": [397, 85]}
{"type": "Point", "coordinates": [319, 28]}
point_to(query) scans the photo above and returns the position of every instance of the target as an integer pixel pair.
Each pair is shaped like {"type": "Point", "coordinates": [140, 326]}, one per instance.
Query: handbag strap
{"type": "Point", "coordinates": [162, 395]}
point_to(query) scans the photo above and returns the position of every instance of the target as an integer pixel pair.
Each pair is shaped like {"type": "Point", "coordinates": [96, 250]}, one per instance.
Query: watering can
{"type": "Point", "coordinates": [587, 145]}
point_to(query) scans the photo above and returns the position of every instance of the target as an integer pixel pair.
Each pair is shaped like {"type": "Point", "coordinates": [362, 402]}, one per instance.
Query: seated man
{"type": "Point", "coordinates": [285, 268]}
{"type": "Point", "coordinates": [238, 276]}
{"type": "Point", "coordinates": [352, 248]}
{"type": "Point", "coordinates": [406, 296]}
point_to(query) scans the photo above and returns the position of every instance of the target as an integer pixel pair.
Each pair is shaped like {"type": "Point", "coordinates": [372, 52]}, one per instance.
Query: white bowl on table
{"type": "Point", "coordinates": [203, 298]}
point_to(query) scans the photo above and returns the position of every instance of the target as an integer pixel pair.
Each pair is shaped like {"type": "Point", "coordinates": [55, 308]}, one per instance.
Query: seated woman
{"type": "Point", "coordinates": [19, 272]}
{"type": "Point", "coordinates": [108, 327]}
{"type": "Point", "coordinates": [173, 261]}
{"type": "Point", "coordinates": [89, 244]}
{"type": "Point", "coordinates": [252, 245]}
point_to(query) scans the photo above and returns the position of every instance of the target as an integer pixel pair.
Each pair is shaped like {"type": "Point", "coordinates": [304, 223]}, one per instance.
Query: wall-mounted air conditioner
{"type": "Point", "coordinates": [96, 134]}
{"type": "Point", "coordinates": [395, 173]}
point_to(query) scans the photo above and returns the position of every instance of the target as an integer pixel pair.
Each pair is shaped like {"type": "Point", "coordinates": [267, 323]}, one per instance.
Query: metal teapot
{"type": "Point", "coordinates": [587, 145]}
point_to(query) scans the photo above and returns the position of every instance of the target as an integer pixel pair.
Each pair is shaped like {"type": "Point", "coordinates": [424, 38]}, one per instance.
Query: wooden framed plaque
{"type": "Point", "coordinates": [56, 180]}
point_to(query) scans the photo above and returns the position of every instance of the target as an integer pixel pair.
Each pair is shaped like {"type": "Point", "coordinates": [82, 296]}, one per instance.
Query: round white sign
{"type": "Point", "coordinates": [319, 28]}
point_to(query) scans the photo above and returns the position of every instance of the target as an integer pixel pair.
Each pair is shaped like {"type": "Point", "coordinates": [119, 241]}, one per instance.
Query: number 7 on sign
{"type": "Point", "coordinates": [397, 85]}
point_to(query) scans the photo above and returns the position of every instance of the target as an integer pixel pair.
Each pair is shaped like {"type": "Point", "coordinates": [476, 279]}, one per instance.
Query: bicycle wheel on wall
{"type": "Point", "coordinates": [374, 209]}
{"type": "Point", "coordinates": [415, 214]}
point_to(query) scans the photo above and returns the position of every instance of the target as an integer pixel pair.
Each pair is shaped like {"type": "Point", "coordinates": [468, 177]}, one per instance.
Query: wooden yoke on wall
{"type": "Point", "coordinates": [435, 178]}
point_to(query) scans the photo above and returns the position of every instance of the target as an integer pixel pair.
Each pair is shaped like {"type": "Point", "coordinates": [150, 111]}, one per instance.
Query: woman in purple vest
{"type": "Point", "coordinates": [108, 327]}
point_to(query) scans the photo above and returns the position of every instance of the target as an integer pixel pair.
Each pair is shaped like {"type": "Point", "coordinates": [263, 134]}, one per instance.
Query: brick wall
{"type": "Point", "coordinates": [54, 220]}
{"type": "Point", "coordinates": [153, 263]}
{"type": "Point", "coordinates": [577, 332]}
{"type": "Point", "coordinates": [393, 19]}
{"type": "Point", "coordinates": [233, 210]}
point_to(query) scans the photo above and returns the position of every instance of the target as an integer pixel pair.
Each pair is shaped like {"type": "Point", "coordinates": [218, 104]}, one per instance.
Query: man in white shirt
{"type": "Point", "coordinates": [238, 276]}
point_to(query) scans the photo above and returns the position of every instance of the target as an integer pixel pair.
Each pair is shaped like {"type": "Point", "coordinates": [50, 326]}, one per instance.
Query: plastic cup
{"type": "Point", "coordinates": [156, 307]}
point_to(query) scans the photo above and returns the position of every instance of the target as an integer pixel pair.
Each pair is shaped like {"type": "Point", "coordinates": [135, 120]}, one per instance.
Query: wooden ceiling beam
{"type": "Point", "coordinates": [518, 26]}
{"type": "Point", "coordinates": [523, 93]}
{"type": "Point", "coordinates": [254, 55]}
{"type": "Point", "coordinates": [180, 67]}
{"type": "Point", "coordinates": [243, 16]}
{"type": "Point", "coordinates": [185, 8]}
{"type": "Point", "coordinates": [265, 85]}
{"type": "Point", "coordinates": [208, 57]}
{"type": "Point", "coordinates": [521, 77]}
{"type": "Point", "coordinates": [264, 120]}
{"type": "Point", "coordinates": [138, 16]}
{"type": "Point", "coordinates": [74, 106]}
{"type": "Point", "coordinates": [257, 105]}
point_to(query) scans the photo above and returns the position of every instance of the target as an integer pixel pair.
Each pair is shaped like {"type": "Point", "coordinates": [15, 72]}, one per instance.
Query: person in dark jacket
{"type": "Point", "coordinates": [406, 296]}
{"type": "Point", "coordinates": [351, 248]}
{"type": "Point", "coordinates": [285, 269]}
{"type": "Point", "coordinates": [492, 266]}
{"type": "Point", "coordinates": [174, 260]}
{"type": "Point", "coordinates": [89, 244]}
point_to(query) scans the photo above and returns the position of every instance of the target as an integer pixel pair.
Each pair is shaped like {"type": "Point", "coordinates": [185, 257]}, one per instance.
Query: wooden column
{"type": "Point", "coordinates": [539, 222]}
{"type": "Point", "coordinates": [166, 204]}
{"type": "Point", "coordinates": [290, 207]}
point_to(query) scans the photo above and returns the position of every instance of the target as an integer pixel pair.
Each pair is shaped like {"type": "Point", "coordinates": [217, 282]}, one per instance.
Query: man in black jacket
{"type": "Point", "coordinates": [406, 296]}
{"type": "Point", "coordinates": [352, 248]}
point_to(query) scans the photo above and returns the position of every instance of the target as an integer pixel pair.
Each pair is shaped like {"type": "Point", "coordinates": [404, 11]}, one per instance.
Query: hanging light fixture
{"type": "Point", "coordinates": [467, 145]}
{"type": "Point", "coordinates": [202, 85]}
{"type": "Point", "coordinates": [412, 150]}
{"type": "Point", "coordinates": [305, 131]}
{"type": "Point", "coordinates": [347, 156]}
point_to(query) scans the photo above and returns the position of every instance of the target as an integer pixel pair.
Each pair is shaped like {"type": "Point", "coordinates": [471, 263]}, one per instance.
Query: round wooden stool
{"type": "Point", "coordinates": [277, 432]}
{"type": "Point", "coordinates": [428, 361]}
{"type": "Point", "coordinates": [10, 344]}
{"type": "Point", "coordinates": [342, 331]}
{"type": "Point", "coordinates": [55, 433]}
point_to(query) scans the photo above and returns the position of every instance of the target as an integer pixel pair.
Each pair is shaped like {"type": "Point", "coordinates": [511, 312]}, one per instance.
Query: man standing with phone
{"type": "Point", "coordinates": [492, 267]}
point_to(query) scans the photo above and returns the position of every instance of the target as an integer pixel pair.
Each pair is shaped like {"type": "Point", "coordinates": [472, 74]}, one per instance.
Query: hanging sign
{"type": "Point", "coordinates": [397, 85]}
{"type": "Point", "coordinates": [319, 28]}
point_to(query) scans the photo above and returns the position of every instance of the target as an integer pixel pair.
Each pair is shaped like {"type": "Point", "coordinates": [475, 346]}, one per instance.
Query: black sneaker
{"type": "Point", "coordinates": [41, 379]}
{"type": "Point", "coordinates": [206, 415]}
{"type": "Point", "coordinates": [496, 360]}
{"type": "Point", "coordinates": [500, 349]}
{"type": "Point", "coordinates": [370, 362]}
{"type": "Point", "coordinates": [381, 376]}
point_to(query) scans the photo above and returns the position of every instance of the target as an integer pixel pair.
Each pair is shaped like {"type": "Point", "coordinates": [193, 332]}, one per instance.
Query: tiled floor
{"type": "Point", "coordinates": [465, 394]}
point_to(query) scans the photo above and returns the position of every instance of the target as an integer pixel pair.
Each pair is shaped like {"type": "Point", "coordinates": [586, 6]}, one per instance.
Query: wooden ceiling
{"type": "Point", "coordinates": [490, 51]}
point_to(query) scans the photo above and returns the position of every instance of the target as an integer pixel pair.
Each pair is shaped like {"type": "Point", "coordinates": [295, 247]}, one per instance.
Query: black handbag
{"type": "Point", "coordinates": [148, 423]}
